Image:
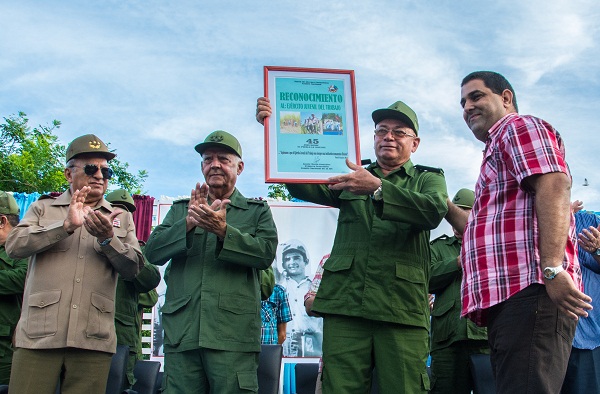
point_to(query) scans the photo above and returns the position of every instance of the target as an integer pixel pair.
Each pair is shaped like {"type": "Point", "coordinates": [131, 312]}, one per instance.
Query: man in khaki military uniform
{"type": "Point", "coordinates": [453, 339]}
{"type": "Point", "coordinates": [12, 281]}
{"type": "Point", "coordinates": [77, 244]}
{"type": "Point", "coordinates": [128, 321]}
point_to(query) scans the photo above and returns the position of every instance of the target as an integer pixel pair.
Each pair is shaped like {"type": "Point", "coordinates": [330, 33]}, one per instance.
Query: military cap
{"type": "Point", "coordinates": [8, 204]}
{"type": "Point", "coordinates": [220, 139]}
{"type": "Point", "coordinates": [464, 198]}
{"type": "Point", "coordinates": [293, 245]}
{"type": "Point", "coordinates": [88, 143]}
{"type": "Point", "coordinates": [399, 111]}
{"type": "Point", "coordinates": [121, 197]}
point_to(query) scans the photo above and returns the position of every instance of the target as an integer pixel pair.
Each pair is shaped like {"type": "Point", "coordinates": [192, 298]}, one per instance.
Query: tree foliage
{"type": "Point", "coordinates": [279, 191]}
{"type": "Point", "coordinates": [32, 160]}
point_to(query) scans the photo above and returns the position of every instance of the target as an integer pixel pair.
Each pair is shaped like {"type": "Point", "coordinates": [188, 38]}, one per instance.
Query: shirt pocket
{"type": "Point", "coordinates": [409, 288]}
{"type": "Point", "coordinates": [237, 313]}
{"type": "Point", "coordinates": [337, 271]}
{"type": "Point", "coordinates": [60, 246]}
{"type": "Point", "coordinates": [101, 319]}
{"type": "Point", "coordinates": [352, 207]}
{"type": "Point", "coordinates": [442, 321]}
{"type": "Point", "coordinates": [174, 319]}
{"type": "Point", "coordinates": [42, 316]}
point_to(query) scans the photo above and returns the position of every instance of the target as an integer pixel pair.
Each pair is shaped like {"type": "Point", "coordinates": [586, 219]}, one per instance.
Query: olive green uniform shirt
{"type": "Point", "coordinates": [12, 281]}
{"type": "Point", "coordinates": [447, 326]}
{"type": "Point", "coordinates": [213, 290]}
{"type": "Point", "coordinates": [379, 264]}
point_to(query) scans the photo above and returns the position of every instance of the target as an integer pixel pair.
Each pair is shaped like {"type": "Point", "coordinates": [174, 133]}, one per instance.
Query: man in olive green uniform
{"type": "Point", "coordinates": [12, 281]}
{"type": "Point", "coordinates": [373, 295]}
{"type": "Point", "coordinates": [453, 339]}
{"type": "Point", "coordinates": [128, 322]}
{"type": "Point", "coordinates": [218, 241]}
{"type": "Point", "coordinates": [77, 245]}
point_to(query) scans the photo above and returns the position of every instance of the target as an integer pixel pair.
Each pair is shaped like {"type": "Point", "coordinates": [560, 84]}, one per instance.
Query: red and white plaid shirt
{"type": "Point", "coordinates": [500, 255]}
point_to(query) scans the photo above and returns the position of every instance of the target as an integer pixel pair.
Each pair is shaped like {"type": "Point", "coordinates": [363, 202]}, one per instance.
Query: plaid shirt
{"type": "Point", "coordinates": [500, 245]}
{"type": "Point", "coordinates": [274, 311]}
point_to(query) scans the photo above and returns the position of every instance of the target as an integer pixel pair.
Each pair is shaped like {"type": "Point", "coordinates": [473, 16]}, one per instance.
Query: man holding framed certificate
{"type": "Point", "coordinates": [373, 294]}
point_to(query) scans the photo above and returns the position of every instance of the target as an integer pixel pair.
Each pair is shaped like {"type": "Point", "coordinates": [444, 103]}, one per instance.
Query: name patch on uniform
{"type": "Point", "coordinates": [116, 222]}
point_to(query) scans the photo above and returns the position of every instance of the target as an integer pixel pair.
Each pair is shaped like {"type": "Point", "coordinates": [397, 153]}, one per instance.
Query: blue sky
{"type": "Point", "coordinates": [153, 78]}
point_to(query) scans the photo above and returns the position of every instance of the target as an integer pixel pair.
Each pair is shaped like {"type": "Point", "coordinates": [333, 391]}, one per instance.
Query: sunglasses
{"type": "Point", "coordinates": [92, 169]}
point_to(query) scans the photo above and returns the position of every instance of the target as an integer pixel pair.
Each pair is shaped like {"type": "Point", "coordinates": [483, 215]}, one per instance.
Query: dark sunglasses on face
{"type": "Point", "coordinates": [92, 169]}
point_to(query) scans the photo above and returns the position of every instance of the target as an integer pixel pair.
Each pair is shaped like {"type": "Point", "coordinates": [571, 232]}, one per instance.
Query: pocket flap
{"type": "Point", "coordinates": [338, 263]}
{"type": "Point", "coordinates": [102, 303]}
{"type": "Point", "coordinates": [172, 306]}
{"type": "Point", "coordinates": [237, 304]}
{"type": "Point", "coordinates": [410, 273]}
{"type": "Point", "coordinates": [44, 298]}
{"type": "Point", "coordinates": [440, 310]}
{"type": "Point", "coordinates": [248, 381]}
{"type": "Point", "coordinates": [346, 195]}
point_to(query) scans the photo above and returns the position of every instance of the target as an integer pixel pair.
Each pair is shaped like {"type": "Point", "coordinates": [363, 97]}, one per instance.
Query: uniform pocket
{"type": "Point", "coordinates": [100, 320]}
{"type": "Point", "coordinates": [175, 322]}
{"type": "Point", "coordinates": [42, 316]}
{"type": "Point", "coordinates": [248, 381]}
{"type": "Point", "coordinates": [238, 313]}
{"type": "Point", "coordinates": [409, 288]}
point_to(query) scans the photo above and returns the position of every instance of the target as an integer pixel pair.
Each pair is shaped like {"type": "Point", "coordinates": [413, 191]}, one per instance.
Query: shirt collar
{"type": "Point", "coordinates": [405, 169]}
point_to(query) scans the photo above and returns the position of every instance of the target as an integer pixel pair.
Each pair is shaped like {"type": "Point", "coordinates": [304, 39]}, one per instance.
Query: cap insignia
{"type": "Point", "coordinates": [95, 144]}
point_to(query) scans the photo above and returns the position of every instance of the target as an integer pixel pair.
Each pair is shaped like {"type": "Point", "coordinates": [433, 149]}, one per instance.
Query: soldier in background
{"type": "Point", "coordinates": [12, 281]}
{"type": "Point", "coordinates": [128, 322]}
{"type": "Point", "coordinates": [453, 339]}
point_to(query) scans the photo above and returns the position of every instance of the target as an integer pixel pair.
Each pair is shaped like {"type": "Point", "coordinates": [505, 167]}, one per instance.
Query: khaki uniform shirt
{"type": "Point", "coordinates": [71, 280]}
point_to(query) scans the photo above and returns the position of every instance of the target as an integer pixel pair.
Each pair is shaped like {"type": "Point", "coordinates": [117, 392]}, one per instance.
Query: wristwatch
{"type": "Point", "coordinates": [597, 252]}
{"type": "Point", "coordinates": [551, 272]}
{"type": "Point", "coordinates": [105, 242]}
{"type": "Point", "coordinates": [378, 193]}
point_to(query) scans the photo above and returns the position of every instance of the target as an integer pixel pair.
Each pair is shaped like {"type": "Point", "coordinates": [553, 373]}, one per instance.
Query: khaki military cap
{"type": "Point", "coordinates": [88, 143]}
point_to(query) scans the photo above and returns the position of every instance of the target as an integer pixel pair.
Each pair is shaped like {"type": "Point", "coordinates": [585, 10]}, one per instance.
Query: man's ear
{"type": "Point", "coordinates": [507, 98]}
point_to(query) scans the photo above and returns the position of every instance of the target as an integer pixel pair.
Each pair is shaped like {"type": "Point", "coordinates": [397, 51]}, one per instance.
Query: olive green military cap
{"type": "Point", "coordinates": [88, 143]}
{"type": "Point", "coordinates": [399, 111]}
{"type": "Point", "coordinates": [8, 204]}
{"type": "Point", "coordinates": [121, 197]}
{"type": "Point", "coordinates": [220, 139]}
{"type": "Point", "coordinates": [464, 198]}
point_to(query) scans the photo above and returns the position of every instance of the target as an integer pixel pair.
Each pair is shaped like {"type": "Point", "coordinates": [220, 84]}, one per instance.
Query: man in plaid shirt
{"type": "Point", "coordinates": [521, 276]}
{"type": "Point", "coordinates": [275, 314]}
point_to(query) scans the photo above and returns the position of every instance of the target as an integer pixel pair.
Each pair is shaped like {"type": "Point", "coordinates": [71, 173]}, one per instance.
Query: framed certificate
{"type": "Point", "coordinates": [313, 127]}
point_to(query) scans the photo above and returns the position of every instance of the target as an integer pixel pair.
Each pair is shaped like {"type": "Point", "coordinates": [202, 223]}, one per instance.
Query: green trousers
{"type": "Point", "coordinates": [204, 371]}
{"type": "Point", "coordinates": [450, 371]}
{"type": "Point", "coordinates": [352, 347]}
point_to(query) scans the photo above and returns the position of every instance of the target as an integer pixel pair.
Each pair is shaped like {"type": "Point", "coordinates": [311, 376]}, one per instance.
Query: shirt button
{"type": "Point", "coordinates": [58, 237]}
{"type": "Point", "coordinates": [74, 306]}
{"type": "Point", "coordinates": [42, 303]}
{"type": "Point", "coordinates": [78, 280]}
{"type": "Point", "coordinates": [80, 257]}
{"type": "Point", "coordinates": [84, 237]}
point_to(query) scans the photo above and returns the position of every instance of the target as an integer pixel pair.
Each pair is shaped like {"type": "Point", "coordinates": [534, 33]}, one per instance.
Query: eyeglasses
{"type": "Point", "coordinates": [382, 132]}
{"type": "Point", "coordinates": [92, 169]}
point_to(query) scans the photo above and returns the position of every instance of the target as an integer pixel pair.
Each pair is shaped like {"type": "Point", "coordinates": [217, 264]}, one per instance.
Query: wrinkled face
{"type": "Point", "coordinates": [221, 168]}
{"type": "Point", "coordinates": [294, 263]}
{"type": "Point", "coordinates": [77, 177]}
{"type": "Point", "coordinates": [481, 107]}
{"type": "Point", "coordinates": [393, 151]}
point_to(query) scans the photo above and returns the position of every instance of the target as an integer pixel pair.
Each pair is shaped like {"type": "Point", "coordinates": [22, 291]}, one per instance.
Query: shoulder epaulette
{"type": "Point", "coordinates": [46, 196]}
{"type": "Point", "coordinates": [256, 200]}
{"type": "Point", "coordinates": [429, 169]}
{"type": "Point", "coordinates": [181, 201]}
{"type": "Point", "coordinates": [441, 237]}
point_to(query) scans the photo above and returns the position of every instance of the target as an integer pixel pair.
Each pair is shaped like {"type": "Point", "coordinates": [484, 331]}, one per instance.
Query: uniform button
{"type": "Point", "coordinates": [103, 310]}
{"type": "Point", "coordinates": [58, 237]}
{"type": "Point", "coordinates": [78, 280]}
{"type": "Point", "coordinates": [42, 303]}
{"type": "Point", "coordinates": [230, 235]}
{"type": "Point", "coordinates": [74, 306]}
{"type": "Point", "coordinates": [80, 257]}
{"type": "Point", "coordinates": [84, 237]}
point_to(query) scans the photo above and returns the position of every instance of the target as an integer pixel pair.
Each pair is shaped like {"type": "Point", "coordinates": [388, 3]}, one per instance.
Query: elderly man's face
{"type": "Point", "coordinates": [392, 151]}
{"type": "Point", "coordinates": [294, 263]}
{"type": "Point", "coordinates": [77, 177]}
{"type": "Point", "coordinates": [221, 168]}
